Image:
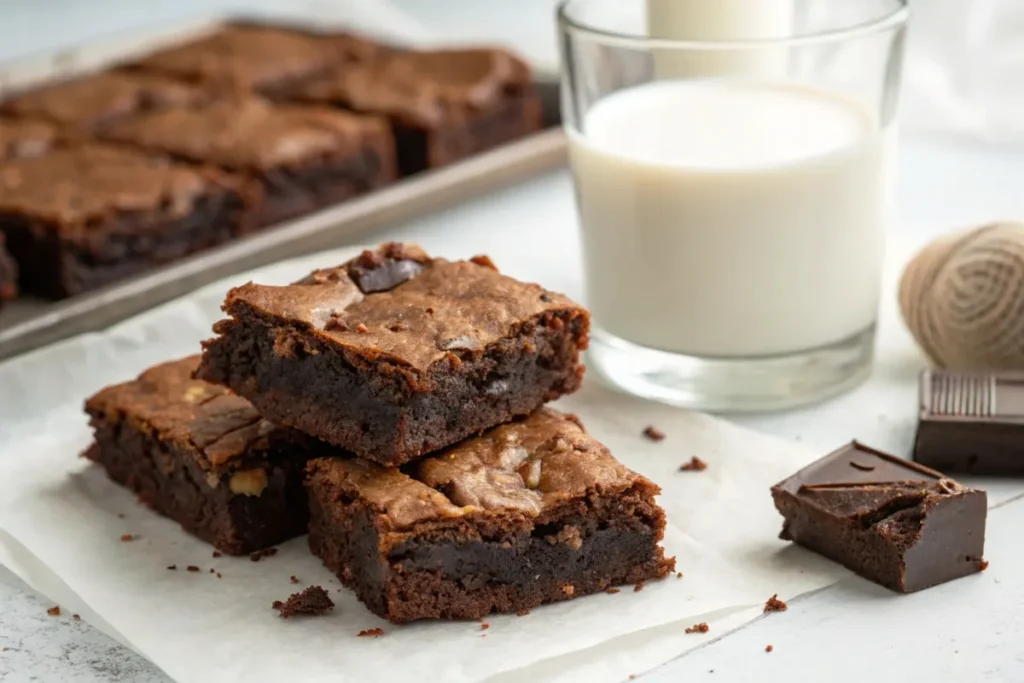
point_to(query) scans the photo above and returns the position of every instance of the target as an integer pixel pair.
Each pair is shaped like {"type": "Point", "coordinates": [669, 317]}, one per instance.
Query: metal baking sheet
{"type": "Point", "coordinates": [28, 323]}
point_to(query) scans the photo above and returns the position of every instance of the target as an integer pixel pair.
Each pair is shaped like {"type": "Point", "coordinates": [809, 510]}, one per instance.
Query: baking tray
{"type": "Point", "coordinates": [28, 323]}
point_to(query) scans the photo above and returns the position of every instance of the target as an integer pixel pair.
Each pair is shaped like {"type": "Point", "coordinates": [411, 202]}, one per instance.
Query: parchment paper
{"type": "Point", "coordinates": [61, 524]}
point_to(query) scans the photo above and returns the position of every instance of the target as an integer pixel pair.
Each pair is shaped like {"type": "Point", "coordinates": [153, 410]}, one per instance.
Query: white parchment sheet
{"type": "Point", "coordinates": [61, 523]}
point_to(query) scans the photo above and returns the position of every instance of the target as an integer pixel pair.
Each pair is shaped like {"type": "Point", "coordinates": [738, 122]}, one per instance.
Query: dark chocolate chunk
{"type": "Point", "coordinates": [384, 269]}
{"type": "Point", "coordinates": [898, 523]}
{"type": "Point", "coordinates": [972, 423]}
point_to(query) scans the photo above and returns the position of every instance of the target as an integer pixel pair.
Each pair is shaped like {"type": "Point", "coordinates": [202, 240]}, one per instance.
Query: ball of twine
{"type": "Point", "coordinates": [962, 297]}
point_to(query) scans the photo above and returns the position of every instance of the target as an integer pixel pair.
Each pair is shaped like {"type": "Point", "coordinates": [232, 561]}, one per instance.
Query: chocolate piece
{"type": "Point", "coordinates": [23, 138]}
{"type": "Point", "coordinates": [81, 217]}
{"type": "Point", "coordinates": [531, 512]}
{"type": "Point", "coordinates": [972, 422]}
{"type": "Point", "coordinates": [90, 103]}
{"type": "Point", "coordinates": [475, 349]}
{"type": "Point", "coordinates": [203, 457]}
{"type": "Point", "coordinates": [304, 158]}
{"type": "Point", "coordinates": [893, 521]}
{"type": "Point", "coordinates": [444, 104]}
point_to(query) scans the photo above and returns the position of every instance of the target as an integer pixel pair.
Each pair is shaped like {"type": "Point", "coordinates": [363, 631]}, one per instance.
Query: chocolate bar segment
{"type": "Point", "coordinates": [972, 423]}
{"type": "Point", "coordinates": [890, 520]}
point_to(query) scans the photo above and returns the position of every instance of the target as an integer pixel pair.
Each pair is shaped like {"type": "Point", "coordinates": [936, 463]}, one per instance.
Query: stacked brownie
{"type": "Point", "coordinates": [438, 484]}
{"type": "Point", "coordinates": [294, 121]}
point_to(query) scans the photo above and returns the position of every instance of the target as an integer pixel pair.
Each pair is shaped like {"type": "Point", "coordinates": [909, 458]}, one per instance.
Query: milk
{"type": "Point", "coordinates": [731, 218]}
{"type": "Point", "coordinates": [720, 20]}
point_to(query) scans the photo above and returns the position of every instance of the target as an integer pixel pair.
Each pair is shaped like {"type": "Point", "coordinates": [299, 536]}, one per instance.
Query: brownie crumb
{"type": "Point", "coordinates": [127, 538]}
{"type": "Point", "coordinates": [293, 579]}
{"type": "Point", "coordinates": [212, 571]}
{"type": "Point", "coordinates": [216, 554]}
{"type": "Point", "coordinates": [695, 465]}
{"type": "Point", "coordinates": [522, 612]}
{"type": "Point", "coordinates": [484, 626]}
{"type": "Point", "coordinates": [172, 567]}
{"type": "Point", "coordinates": [371, 633]}
{"type": "Point", "coordinates": [612, 590]}
{"type": "Point", "coordinates": [702, 627]}
{"type": "Point", "coordinates": [654, 434]}
{"type": "Point", "coordinates": [484, 261]}
{"type": "Point", "coordinates": [54, 611]}
{"type": "Point", "coordinates": [192, 568]}
{"type": "Point", "coordinates": [76, 617]}
{"type": "Point", "coordinates": [982, 565]}
{"type": "Point", "coordinates": [362, 329]}
{"type": "Point", "coordinates": [775, 605]}
{"type": "Point", "coordinates": [260, 554]}
{"type": "Point", "coordinates": [313, 601]}
{"type": "Point", "coordinates": [769, 648]}
{"type": "Point", "coordinates": [219, 576]}
{"type": "Point", "coordinates": [639, 587]}
{"type": "Point", "coordinates": [679, 575]}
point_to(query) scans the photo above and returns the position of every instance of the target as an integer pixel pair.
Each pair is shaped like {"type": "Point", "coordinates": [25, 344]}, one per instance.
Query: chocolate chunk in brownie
{"type": "Point", "coordinates": [312, 601]}
{"type": "Point", "coordinates": [449, 348]}
{"type": "Point", "coordinates": [531, 512]}
{"type": "Point", "coordinates": [203, 457]}
{"type": "Point", "coordinates": [305, 158]}
{"type": "Point", "coordinates": [84, 216]}
{"type": "Point", "coordinates": [444, 104]}
{"type": "Point", "coordinates": [23, 138]}
{"type": "Point", "coordinates": [92, 102]}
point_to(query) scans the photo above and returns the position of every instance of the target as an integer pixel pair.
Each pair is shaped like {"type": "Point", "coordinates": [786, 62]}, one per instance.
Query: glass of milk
{"type": "Point", "coordinates": [733, 168]}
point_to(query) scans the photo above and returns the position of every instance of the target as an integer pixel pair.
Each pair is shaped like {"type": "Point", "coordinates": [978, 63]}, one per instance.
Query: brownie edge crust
{"type": "Point", "coordinates": [395, 354]}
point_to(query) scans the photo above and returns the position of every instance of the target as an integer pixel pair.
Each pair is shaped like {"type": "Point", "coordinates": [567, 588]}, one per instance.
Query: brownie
{"type": "Point", "coordinates": [890, 520]}
{"type": "Point", "coordinates": [8, 274]}
{"type": "Point", "coordinates": [395, 354]}
{"type": "Point", "coordinates": [23, 138]}
{"type": "Point", "coordinates": [445, 105]}
{"type": "Point", "coordinates": [531, 512]}
{"type": "Point", "coordinates": [972, 422]}
{"type": "Point", "coordinates": [265, 59]}
{"type": "Point", "coordinates": [305, 158]}
{"type": "Point", "coordinates": [85, 216]}
{"type": "Point", "coordinates": [203, 457]}
{"type": "Point", "coordinates": [90, 103]}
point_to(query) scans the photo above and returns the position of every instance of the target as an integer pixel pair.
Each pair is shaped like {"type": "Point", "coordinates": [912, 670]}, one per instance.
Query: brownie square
{"type": "Point", "coordinates": [23, 138]}
{"type": "Point", "coordinates": [265, 59]}
{"type": "Point", "coordinates": [200, 455]}
{"type": "Point", "coordinates": [890, 520]}
{"type": "Point", "coordinates": [8, 274]}
{"type": "Point", "coordinates": [528, 513]}
{"type": "Point", "coordinates": [85, 216]}
{"type": "Point", "coordinates": [305, 158]}
{"type": "Point", "coordinates": [395, 354]}
{"type": "Point", "coordinates": [89, 103]}
{"type": "Point", "coordinates": [445, 105]}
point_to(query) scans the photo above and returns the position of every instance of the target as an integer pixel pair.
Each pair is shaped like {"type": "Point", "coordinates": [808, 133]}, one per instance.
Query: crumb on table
{"type": "Point", "coordinates": [484, 626]}
{"type": "Point", "coordinates": [192, 568]}
{"type": "Point", "coordinates": [172, 567]}
{"type": "Point", "coordinates": [702, 627]}
{"type": "Point", "coordinates": [695, 465]}
{"type": "Point", "coordinates": [654, 434]}
{"type": "Point", "coordinates": [312, 601]}
{"type": "Point", "coordinates": [260, 554]}
{"type": "Point", "coordinates": [127, 538]}
{"type": "Point", "coordinates": [293, 579]}
{"type": "Point", "coordinates": [775, 605]}
{"type": "Point", "coordinates": [54, 611]}
{"type": "Point", "coordinates": [371, 633]}
{"type": "Point", "coordinates": [769, 648]}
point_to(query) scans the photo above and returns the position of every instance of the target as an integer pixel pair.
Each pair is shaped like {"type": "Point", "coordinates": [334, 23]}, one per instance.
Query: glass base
{"type": "Point", "coordinates": [733, 384]}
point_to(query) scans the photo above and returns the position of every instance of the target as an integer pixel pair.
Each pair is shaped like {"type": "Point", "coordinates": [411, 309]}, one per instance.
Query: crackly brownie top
{"type": "Point", "coordinates": [219, 428]}
{"type": "Point", "coordinates": [252, 56]}
{"type": "Point", "coordinates": [23, 138]}
{"type": "Point", "coordinates": [248, 133]}
{"type": "Point", "coordinates": [400, 305]}
{"type": "Point", "coordinates": [858, 482]}
{"type": "Point", "coordinates": [526, 467]}
{"type": "Point", "coordinates": [424, 88]}
{"type": "Point", "coordinates": [74, 186]}
{"type": "Point", "coordinates": [94, 101]}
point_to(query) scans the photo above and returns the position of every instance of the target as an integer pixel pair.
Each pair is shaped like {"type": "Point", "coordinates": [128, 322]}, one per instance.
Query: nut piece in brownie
{"type": "Point", "coordinates": [23, 138]}
{"type": "Point", "coordinates": [531, 512]}
{"type": "Point", "coordinates": [304, 157]}
{"type": "Point", "coordinates": [92, 102]}
{"type": "Point", "coordinates": [81, 217]}
{"type": "Point", "coordinates": [265, 59]}
{"type": "Point", "coordinates": [892, 521]}
{"type": "Point", "coordinates": [202, 456]}
{"type": "Point", "coordinates": [444, 105]}
{"type": "Point", "coordinates": [395, 354]}
{"type": "Point", "coordinates": [8, 274]}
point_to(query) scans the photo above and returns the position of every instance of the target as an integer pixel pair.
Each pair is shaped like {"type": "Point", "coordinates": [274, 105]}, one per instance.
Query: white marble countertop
{"type": "Point", "coordinates": [968, 630]}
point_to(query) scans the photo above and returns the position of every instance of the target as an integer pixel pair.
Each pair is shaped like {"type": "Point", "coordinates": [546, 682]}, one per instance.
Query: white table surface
{"type": "Point", "coordinates": [969, 630]}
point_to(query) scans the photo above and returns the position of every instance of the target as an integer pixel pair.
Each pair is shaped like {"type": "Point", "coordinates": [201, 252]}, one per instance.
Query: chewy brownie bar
{"type": "Point", "coordinates": [8, 274]}
{"type": "Point", "coordinates": [202, 456]}
{"type": "Point", "coordinates": [305, 158]}
{"type": "Point", "coordinates": [90, 103]}
{"type": "Point", "coordinates": [892, 521]}
{"type": "Point", "coordinates": [444, 105]}
{"type": "Point", "coordinates": [82, 217]}
{"type": "Point", "coordinates": [531, 512]}
{"type": "Point", "coordinates": [23, 138]}
{"type": "Point", "coordinates": [268, 60]}
{"type": "Point", "coordinates": [395, 354]}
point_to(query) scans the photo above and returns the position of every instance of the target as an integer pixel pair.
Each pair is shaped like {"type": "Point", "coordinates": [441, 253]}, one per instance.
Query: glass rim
{"type": "Point", "coordinates": [897, 17]}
